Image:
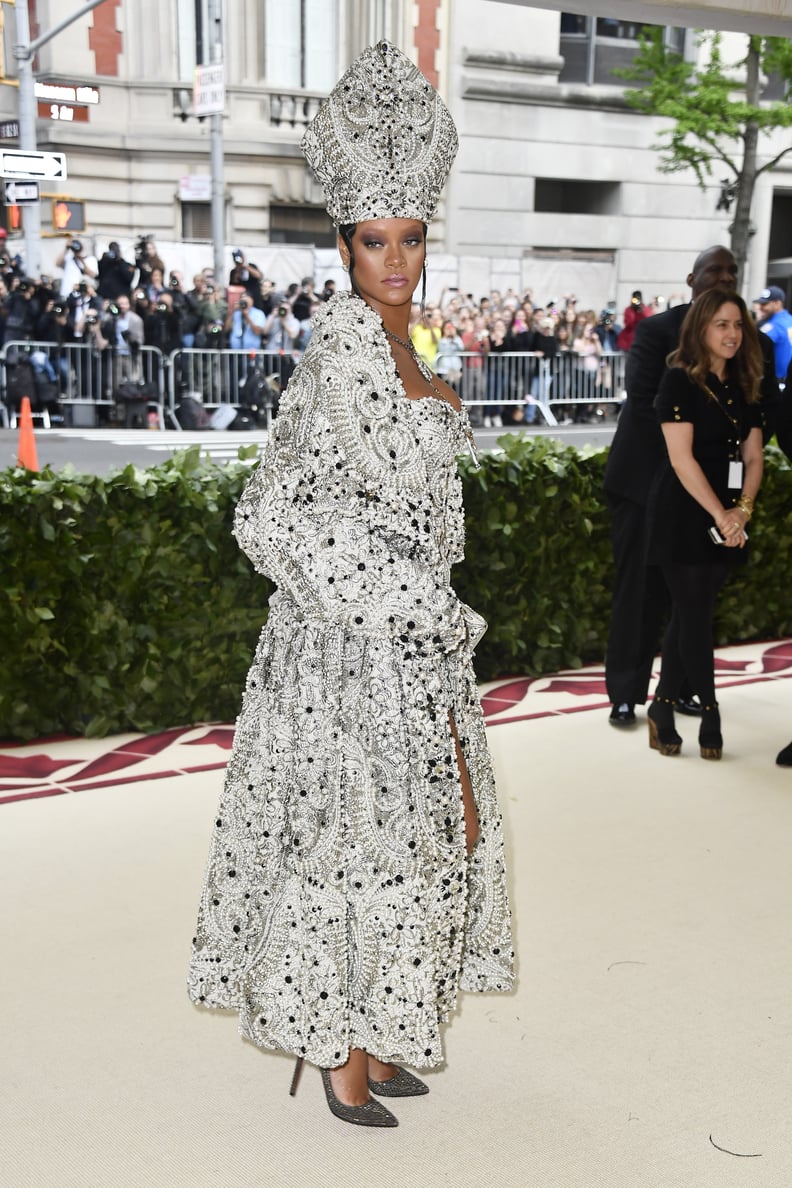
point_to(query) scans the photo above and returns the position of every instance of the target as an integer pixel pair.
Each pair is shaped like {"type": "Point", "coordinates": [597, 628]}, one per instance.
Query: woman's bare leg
{"type": "Point", "coordinates": [350, 1081]}
{"type": "Point", "coordinates": [472, 829]}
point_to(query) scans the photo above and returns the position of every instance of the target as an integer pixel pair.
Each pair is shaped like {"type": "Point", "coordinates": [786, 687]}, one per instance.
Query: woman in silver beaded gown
{"type": "Point", "coordinates": [355, 879]}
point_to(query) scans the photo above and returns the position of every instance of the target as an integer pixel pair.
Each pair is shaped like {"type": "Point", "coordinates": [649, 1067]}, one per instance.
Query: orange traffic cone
{"type": "Point", "coordinates": [26, 454]}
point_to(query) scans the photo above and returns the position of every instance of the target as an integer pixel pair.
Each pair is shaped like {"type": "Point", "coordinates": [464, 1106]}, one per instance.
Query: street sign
{"type": "Point", "coordinates": [16, 163]}
{"type": "Point", "coordinates": [209, 90]}
{"type": "Point", "coordinates": [21, 193]}
{"type": "Point", "coordinates": [58, 93]}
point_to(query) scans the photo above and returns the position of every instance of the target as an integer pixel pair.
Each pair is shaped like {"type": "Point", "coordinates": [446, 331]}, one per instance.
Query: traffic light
{"type": "Point", "coordinates": [68, 216]}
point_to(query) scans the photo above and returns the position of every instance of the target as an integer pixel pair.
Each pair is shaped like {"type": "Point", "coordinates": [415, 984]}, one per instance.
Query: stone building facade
{"type": "Point", "coordinates": [556, 186]}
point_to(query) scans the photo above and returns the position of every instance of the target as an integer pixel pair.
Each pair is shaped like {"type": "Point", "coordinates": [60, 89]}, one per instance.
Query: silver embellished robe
{"type": "Point", "coordinates": [339, 907]}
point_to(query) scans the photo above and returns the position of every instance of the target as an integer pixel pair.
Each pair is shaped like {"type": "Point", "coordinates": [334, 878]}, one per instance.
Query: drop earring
{"type": "Point", "coordinates": [423, 293]}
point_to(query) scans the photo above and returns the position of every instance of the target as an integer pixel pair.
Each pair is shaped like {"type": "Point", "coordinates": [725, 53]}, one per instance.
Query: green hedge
{"type": "Point", "coordinates": [126, 604]}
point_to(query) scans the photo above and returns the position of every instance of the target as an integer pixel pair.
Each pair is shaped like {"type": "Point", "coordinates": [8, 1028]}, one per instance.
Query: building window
{"type": "Point", "coordinates": [192, 24]}
{"type": "Point", "coordinates": [382, 21]}
{"type": "Point", "coordinates": [196, 220]}
{"type": "Point", "coordinates": [593, 47]}
{"type": "Point", "coordinates": [556, 195]}
{"type": "Point", "coordinates": [301, 224]}
{"type": "Point", "coordinates": [301, 47]}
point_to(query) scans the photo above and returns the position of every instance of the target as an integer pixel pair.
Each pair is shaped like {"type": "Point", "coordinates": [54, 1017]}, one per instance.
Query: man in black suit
{"type": "Point", "coordinates": [638, 450]}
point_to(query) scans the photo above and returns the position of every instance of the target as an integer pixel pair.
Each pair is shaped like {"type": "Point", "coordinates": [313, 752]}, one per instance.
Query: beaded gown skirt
{"type": "Point", "coordinates": [340, 908]}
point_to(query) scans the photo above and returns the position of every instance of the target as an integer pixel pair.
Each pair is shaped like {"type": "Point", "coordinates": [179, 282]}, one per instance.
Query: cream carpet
{"type": "Point", "coordinates": [650, 1026]}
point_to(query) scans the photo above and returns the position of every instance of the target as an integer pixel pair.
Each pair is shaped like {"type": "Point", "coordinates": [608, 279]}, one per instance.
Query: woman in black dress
{"type": "Point", "coordinates": [708, 407]}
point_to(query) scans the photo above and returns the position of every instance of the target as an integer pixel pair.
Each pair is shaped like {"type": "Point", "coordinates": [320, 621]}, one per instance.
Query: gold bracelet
{"type": "Point", "coordinates": [746, 505]}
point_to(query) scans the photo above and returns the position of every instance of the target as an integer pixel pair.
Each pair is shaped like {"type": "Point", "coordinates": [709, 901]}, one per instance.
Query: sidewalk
{"type": "Point", "coordinates": [647, 1044]}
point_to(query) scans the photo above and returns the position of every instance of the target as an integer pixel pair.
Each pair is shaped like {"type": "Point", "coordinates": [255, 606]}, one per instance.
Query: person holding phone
{"type": "Point", "coordinates": [703, 497]}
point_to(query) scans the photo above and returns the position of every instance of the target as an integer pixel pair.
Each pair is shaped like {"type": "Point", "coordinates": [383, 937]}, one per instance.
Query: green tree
{"type": "Point", "coordinates": [717, 114]}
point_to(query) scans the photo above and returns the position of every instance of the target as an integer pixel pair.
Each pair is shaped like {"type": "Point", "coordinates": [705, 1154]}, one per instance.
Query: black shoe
{"type": "Point", "coordinates": [710, 737]}
{"type": "Point", "coordinates": [784, 758]}
{"type": "Point", "coordinates": [371, 1113]}
{"type": "Point", "coordinates": [622, 715]}
{"type": "Point", "coordinates": [691, 706]}
{"type": "Point", "coordinates": [662, 735]}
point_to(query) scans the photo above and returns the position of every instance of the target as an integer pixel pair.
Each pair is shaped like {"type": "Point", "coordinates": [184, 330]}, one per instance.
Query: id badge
{"type": "Point", "coordinates": [735, 476]}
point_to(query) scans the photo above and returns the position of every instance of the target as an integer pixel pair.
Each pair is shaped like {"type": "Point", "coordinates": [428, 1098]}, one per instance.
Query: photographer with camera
{"type": "Point", "coordinates": [249, 276]}
{"type": "Point", "coordinates": [328, 291]}
{"type": "Point", "coordinates": [211, 312]}
{"type": "Point", "coordinates": [123, 330]}
{"type": "Point", "coordinates": [163, 328]}
{"type": "Point", "coordinates": [20, 311]}
{"type": "Point", "coordinates": [245, 326]}
{"type": "Point", "coordinates": [115, 274]}
{"type": "Point", "coordinates": [53, 327]}
{"type": "Point", "coordinates": [186, 309]}
{"type": "Point", "coordinates": [635, 312]}
{"type": "Point", "coordinates": [75, 265]}
{"type": "Point", "coordinates": [607, 331]}
{"type": "Point", "coordinates": [301, 305]}
{"type": "Point", "coordinates": [281, 330]}
{"type": "Point", "coordinates": [146, 260]}
{"type": "Point", "coordinates": [82, 301]}
{"type": "Point", "coordinates": [10, 266]}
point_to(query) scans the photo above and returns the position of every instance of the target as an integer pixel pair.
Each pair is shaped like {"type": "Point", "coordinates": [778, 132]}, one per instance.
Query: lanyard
{"type": "Point", "coordinates": [733, 421]}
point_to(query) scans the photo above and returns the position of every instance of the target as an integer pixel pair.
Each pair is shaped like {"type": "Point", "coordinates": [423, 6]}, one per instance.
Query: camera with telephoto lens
{"type": "Point", "coordinates": [237, 256]}
{"type": "Point", "coordinates": [162, 307]}
{"type": "Point", "coordinates": [174, 281]}
{"type": "Point", "coordinates": [91, 319]}
{"type": "Point", "coordinates": [283, 311]}
{"type": "Point", "coordinates": [113, 309]}
{"type": "Point", "coordinates": [76, 246]}
{"type": "Point", "coordinates": [244, 303]}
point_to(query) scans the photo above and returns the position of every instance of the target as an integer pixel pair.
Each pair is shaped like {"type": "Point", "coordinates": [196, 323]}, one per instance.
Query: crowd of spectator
{"type": "Point", "coordinates": [543, 344]}
{"type": "Point", "coordinates": [494, 349]}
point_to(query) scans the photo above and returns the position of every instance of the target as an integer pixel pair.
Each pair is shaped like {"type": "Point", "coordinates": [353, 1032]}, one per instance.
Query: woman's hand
{"type": "Point", "coordinates": [731, 525]}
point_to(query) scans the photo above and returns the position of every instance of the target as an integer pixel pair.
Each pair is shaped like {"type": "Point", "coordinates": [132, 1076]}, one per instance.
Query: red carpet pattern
{"type": "Point", "coordinates": [57, 765]}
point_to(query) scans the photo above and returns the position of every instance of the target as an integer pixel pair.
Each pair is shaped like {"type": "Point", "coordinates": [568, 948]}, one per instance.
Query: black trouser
{"type": "Point", "coordinates": [638, 607]}
{"type": "Point", "coordinates": [687, 646]}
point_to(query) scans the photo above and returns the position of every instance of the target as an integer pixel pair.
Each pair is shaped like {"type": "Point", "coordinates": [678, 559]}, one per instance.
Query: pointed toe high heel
{"type": "Point", "coordinates": [371, 1113]}
{"type": "Point", "coordinates": [710, 737]}
{"type": "Point", "coordinates": [404, 1084]}
{"type": "Point", "coordinates": [662, 735]}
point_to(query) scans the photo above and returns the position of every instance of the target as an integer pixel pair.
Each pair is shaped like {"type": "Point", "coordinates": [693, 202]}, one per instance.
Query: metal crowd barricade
{"type": "Point", "coordinates": [220, 377]}
{"type": "Point", "coordinates": [581, 380]}
{"type": "Point", "coordinates": [537, 385]}
{"type": "Point", "coordinates": [87, 378]}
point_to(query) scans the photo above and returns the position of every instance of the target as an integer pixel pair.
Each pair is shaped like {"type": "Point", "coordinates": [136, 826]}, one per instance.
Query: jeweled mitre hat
{"type": "Point", "coordinates": [383, 141]}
